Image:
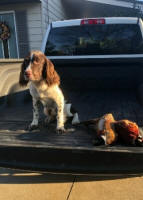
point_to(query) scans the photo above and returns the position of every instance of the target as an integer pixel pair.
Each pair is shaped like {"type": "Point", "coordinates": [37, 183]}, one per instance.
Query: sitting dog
{"type": "Point", "coordinates": [44, 84]}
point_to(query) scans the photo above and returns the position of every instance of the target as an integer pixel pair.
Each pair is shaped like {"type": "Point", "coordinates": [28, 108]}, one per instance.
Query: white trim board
{"type": "Point", "coordinates": [97, 56]}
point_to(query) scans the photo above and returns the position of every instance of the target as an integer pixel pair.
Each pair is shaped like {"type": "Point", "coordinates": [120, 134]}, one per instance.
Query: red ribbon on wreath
{"type": "Point", "coordinates": [4, 32]}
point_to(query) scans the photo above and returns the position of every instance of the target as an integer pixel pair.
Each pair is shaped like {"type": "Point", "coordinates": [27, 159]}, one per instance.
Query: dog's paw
{"type": "Point", "coordinates": [61, 130]}
{"type": "Point", "coordinates": [32, 127]}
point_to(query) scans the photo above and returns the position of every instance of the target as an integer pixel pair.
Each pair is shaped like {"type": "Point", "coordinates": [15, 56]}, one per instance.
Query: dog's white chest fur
{"type": "Point", "coordinates": [44, 93]}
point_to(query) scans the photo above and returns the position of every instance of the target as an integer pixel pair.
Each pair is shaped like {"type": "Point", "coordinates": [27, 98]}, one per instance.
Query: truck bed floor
{"type": "Point", "coordinates": [74, 152]}
{"type": "Point", "coordinates": [17, 115]}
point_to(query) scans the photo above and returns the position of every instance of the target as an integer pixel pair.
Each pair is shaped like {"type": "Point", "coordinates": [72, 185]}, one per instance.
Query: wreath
{"type": "Point", "coordinates": [4, 31]}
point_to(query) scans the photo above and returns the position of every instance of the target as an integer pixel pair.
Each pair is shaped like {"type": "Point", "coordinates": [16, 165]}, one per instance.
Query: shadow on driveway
{"type": "Point", "coordinates": [9, 176]}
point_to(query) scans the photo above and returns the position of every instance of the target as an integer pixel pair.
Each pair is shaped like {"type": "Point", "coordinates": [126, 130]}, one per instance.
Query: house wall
{"type": "Point", "coordinates": [29, 27]}
{"type": "Point", "coordinates": [34, 24]}
{"type": "Point", "coordinates": [32, 20]}
{"type": "Point", "coordinates": [52, 10]}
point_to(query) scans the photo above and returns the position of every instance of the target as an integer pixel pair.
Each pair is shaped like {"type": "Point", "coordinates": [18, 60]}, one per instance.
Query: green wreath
{"type": "Point", "coordinates": [4, 32]}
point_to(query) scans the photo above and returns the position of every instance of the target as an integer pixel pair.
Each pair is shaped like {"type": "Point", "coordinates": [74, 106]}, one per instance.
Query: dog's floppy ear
{"type": "Point", "coordinates": [22, 81]}
{"type": "Point", "coordinates": [50, 73]}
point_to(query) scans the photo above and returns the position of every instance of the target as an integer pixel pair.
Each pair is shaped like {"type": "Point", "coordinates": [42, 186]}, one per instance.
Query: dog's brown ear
{"type": "Point", "coordinates": [22, 81]}
{"type": "Point", "coordinates": [50, 73]}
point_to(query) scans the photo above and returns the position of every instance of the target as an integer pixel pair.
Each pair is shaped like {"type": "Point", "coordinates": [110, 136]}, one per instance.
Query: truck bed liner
{"type": "Point", "coordinates": [45, 150]}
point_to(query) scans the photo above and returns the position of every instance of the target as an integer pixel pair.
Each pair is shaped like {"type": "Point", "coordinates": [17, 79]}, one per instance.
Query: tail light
{"type": "Point", "coordinates": [92, 21]}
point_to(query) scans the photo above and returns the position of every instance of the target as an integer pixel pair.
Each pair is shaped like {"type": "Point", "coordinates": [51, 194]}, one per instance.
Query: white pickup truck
{"type": "Point", "coordinates": [100, 62]}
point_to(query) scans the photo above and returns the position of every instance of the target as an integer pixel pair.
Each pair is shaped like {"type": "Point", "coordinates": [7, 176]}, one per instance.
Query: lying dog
{"type": "Point", "coordinates": [44, 84]}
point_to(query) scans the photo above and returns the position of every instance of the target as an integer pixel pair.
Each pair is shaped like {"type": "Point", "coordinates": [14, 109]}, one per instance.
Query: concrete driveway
{"type": "Point", "coordinates": [20, 185]}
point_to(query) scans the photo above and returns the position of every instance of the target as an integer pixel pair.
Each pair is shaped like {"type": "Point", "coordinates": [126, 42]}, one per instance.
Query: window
{"type": "Point", "coordinates": [95, 40]}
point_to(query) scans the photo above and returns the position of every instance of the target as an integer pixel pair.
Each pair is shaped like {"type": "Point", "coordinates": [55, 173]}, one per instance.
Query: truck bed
{"type": "Point", "coordinates": [45, 150]}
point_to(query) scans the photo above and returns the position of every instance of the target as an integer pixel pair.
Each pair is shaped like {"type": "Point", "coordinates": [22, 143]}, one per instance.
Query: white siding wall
{"type": "Point", "coordinates": [34, 17]}
{"type": "Point", "coordinates": [52, 10]}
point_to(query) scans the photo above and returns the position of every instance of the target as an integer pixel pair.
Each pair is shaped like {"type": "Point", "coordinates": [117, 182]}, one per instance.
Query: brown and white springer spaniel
{"type": "Point", "coordinates": [44, 83]}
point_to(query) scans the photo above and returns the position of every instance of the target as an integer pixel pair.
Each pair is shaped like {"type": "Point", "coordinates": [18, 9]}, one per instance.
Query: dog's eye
{"type": "Point", "coordinates": [36, 59]}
